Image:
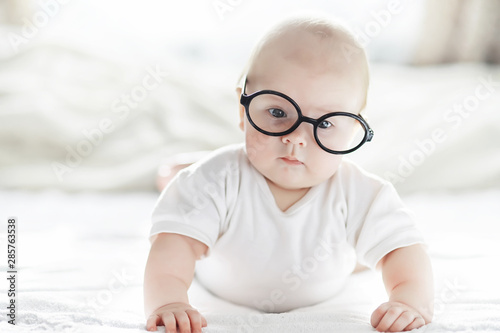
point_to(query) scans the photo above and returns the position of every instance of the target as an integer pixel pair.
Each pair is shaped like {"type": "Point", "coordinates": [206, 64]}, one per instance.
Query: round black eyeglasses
{"type": "Point", "coordinates": [275, 114]}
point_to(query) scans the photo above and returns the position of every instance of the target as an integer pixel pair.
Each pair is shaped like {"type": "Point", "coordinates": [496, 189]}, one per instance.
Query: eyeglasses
{"type": "Point", "coordinates": [275, 114]}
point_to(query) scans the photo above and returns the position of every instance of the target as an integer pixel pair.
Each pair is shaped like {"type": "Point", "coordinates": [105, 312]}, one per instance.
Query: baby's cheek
{"type": "Point", "coordinates": [256, 143]}
{"type": "Point", "coordinates": [326, 166]}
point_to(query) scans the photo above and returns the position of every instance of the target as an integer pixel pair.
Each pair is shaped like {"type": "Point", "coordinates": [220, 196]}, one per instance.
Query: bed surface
{"type": "Point", "coordinates": [82, 256]}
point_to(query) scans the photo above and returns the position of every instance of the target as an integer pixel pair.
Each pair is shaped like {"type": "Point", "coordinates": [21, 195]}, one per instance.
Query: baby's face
{"type": "Point", "coordinates": [295, 161]}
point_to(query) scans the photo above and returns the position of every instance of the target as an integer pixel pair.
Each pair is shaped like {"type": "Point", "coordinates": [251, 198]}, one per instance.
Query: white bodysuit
{"type": "Point", "coordinates": [262, 257]}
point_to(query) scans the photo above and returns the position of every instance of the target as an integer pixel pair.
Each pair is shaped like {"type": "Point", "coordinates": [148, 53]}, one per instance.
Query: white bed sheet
{"type": "Point", "coordinates": [82, 256]}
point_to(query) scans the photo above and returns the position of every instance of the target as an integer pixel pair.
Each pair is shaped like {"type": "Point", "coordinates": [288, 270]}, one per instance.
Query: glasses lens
{"type": "Point", "coordinates": [340, 133]}
{"type": "Point", "coordinates": [272, 113]}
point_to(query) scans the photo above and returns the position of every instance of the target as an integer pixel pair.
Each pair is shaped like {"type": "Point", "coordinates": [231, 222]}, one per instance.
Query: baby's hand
{"type": "Point", "coordinates": [396, 317]}
{"type": "Point", "coordinates": [178, 314]}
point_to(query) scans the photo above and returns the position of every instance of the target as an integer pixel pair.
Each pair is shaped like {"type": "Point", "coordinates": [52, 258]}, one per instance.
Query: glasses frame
{"type": "Point", "coordinates": [245, 100]}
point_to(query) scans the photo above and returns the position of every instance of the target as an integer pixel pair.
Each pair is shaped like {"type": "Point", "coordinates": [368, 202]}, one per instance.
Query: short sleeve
{"type": "Point", "coordinates": [379, 222]}
{"type": "Point", "coordinates": [195, 203]}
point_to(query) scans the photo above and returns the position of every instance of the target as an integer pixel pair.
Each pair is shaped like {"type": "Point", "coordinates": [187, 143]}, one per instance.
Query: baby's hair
{"type": "Point", "coordinates": [340, 40]}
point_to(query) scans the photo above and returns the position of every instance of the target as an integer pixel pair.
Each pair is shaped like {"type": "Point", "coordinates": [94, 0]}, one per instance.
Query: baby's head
{"type": "Point", "coordinates": [310, 68]}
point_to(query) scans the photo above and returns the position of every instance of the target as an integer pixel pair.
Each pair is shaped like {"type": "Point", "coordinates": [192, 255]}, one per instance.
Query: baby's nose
{"type": "Point", "coordinates": [298, 136]}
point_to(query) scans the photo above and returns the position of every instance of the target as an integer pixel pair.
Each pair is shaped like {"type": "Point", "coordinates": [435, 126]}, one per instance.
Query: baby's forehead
{"type": "Point", "coordinates": [322, 46]}
{"type": "Point", "coordinates": [294, 54]}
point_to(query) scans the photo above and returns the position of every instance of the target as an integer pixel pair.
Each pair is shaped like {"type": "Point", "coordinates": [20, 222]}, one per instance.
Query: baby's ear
{"type": "Point", "coordinates": [241, 108]}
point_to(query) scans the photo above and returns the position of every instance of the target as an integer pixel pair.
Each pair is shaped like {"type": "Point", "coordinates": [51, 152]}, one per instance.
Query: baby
{"type": "Point", "coordinates": [281, 220]}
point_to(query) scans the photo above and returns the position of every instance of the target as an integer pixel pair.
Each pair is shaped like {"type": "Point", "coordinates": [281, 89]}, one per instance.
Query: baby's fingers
{"type": "Point", "coordinates": [152, 322]}
{"type": "Point", "coordinates": [417, 322]}
{"type": "Point", "coordinates": [197, 320]}
{"type": "Point", "coordinates": [155, 320]}
{"type": "Point", "coordinates": [389, 319]}
{"type": "Point", "coordinates": [379, 313]}
{"type": "Point", "coordinates": [176, 315]}
{"type": "Point", "coordinates": [169, 321]}
{"type": "Point", "coordinates": [402, 322]}
{"type": "Point", "coordinates": [183, 322]}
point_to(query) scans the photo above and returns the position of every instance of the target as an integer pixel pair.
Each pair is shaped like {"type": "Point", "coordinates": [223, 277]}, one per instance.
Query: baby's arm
{"type": "Point", "coordinates": [408, 279]}
{"type": "Point", "coordinates": [169, 273]}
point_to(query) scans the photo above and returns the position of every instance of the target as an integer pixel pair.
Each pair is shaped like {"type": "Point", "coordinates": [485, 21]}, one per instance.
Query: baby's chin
{"type": "Point", "coordinates": [297, 184]}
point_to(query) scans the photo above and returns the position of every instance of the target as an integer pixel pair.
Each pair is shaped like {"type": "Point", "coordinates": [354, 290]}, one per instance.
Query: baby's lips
{"type": "Point", "coordinates": [291, 160]}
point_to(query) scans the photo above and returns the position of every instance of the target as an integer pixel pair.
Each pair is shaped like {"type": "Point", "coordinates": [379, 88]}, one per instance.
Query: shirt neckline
{"type": "Point", "coordinates": [264, 187]}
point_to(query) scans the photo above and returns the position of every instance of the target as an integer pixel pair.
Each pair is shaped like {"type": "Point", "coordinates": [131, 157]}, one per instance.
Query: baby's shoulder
{"type": "Point", "coordinates": [350, 174]}
{"type": "Point", "coordinates": [363, 189]}
{"type": "Point", "coordinates": [223, 162]}
{"type": "Point", "coordinates": [223, 155]}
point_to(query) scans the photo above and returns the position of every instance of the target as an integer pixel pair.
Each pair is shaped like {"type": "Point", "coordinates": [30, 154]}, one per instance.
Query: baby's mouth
{"type": "Point", "coordinates": [291, 160]}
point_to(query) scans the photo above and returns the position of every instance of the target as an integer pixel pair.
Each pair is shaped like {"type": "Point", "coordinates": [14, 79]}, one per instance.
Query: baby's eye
{"type": "Point", "coordinates": [277, 113]}
{"type": "Point", "coordinates": [325, 124]}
